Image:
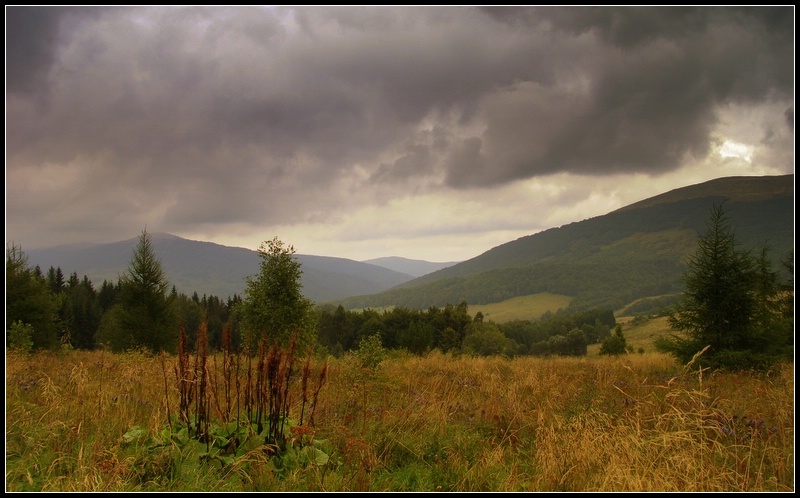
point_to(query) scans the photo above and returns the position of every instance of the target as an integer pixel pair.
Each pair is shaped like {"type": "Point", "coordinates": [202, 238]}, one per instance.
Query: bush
{"type": "Point", "coordinates": [614, 345]}
{"type": "Point", "coordinates": [370, 352]}
{"type": "Point", "coordinates": [20, 337]}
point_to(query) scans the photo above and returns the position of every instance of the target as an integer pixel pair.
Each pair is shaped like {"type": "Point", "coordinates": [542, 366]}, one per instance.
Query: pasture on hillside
{"type": "Point", "coordinates": [530, 307]}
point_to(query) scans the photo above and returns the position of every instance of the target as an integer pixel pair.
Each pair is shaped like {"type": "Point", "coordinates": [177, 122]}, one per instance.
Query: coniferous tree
{"type": "Point", "coordinates": [55, 279]}
{"type": "Point", "coordinates": [144, 316]}
{"type": "Point", "coordinates": [615, 344]}
{"type": "Point", "coordinates": [726, 305]}
{"type": "Point", "coordinates": [107, 295]}
{"type": "Point", "coordinates": [786, 294]}
{"type": "Point", "coordinates": [29, 301]}
{"type": "Point", "coordinates": [85, 314]}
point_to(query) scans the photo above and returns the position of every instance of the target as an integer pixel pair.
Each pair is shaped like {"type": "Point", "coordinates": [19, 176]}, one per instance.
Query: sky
{"type": "Point", "coordinates": [431, 133]}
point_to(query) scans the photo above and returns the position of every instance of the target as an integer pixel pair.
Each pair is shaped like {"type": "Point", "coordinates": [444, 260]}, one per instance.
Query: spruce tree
{"type": "Point", "coordinates": [29, 300]}
{"type": "Point", "coordinates": [615, 344]}
{"type": "Point", "coordinates": [726, 304]}
{"type": "Point", "coordinates": [144, 316]}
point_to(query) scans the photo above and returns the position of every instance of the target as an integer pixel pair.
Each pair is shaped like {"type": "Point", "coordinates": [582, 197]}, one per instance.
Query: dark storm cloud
{"type": "Point", "coordinates": [655, 80]}
{"type": "Point", "coordinates": [32, 35]}
{"type": "Point", "coordinates": [211, 115]}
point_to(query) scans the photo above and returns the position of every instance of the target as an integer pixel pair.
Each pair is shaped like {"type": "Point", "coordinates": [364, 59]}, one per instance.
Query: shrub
{"type": "Point", "coordinates": [20, 337]}
{"type": "Point", "coordinates": [616, 344]}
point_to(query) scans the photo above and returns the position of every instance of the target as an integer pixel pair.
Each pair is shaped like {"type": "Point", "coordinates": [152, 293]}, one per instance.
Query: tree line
{"type": "Point", "coordinates": [46, 310]}
{"type": "Point", "coordinates": [734, 312]}
{"type": "Point", "coordinates": [452, 329]}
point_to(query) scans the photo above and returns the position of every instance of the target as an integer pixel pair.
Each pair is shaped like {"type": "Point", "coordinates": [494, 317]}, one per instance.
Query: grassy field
{"type": "Point", "coordinates": [94, 421]}
{"type": "Point", "coordinates": [639, 335]}
{"type": "Point", "coordinates": [530, 307]}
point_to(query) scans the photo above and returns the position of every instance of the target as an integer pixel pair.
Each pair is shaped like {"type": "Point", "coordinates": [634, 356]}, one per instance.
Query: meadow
{"type": "Point", "coordinates": [96, 421]}
{"type": "Point", "coordinates": [529, 307]}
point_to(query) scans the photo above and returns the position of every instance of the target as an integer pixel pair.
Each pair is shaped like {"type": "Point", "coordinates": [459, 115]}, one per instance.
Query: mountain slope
{"type": "Point", "coordinates": [608, 261]}
{"type": "Point", "coordinates": [213, 269]}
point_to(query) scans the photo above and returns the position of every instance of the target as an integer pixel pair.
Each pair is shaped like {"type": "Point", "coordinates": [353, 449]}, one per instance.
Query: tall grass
{"type": "Point", "coordinates": [439, 422]}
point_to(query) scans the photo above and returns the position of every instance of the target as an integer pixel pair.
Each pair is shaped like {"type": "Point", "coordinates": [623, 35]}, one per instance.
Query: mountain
{"type": "Point", "coordinates": [636, 253]}
{"type": "Point", "coordinates": [633, 254]}
{"type": "Point", "coordinates": [213, 269]}
{"type": "Point", "coordinates": [413, 267]}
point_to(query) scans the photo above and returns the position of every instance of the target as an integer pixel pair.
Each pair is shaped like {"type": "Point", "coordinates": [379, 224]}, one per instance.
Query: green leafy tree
{"type": "Point", "coordinates": [417, 338]}
{"type": "Point", "coordinates": [144, 316]}
{"type": "Point", "coordinates": [370, 352]}
{"type": "Point", "coordinates": [29, 300]}
{"type": "Point", "coordinates": [576, 343]}
{"type": "Point", "coordinates": [615, 344]}
{"type": "Point", "coordinates": [486, 339]}
{"type": "Point", "coordinates": [727, 305]}
{"type": "Point", "coordinates": [274, 306]}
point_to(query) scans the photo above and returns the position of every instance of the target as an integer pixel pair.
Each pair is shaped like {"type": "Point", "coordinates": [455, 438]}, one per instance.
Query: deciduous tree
{"type": "Point", "coordinates": [274, 306]}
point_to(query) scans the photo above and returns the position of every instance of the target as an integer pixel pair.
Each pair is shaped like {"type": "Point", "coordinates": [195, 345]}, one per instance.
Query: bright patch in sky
{"type": "Point", "coordinates": [736, 149]}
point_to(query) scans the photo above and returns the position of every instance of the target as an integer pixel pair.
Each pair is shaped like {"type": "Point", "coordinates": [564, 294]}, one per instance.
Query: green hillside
{"type": "Point", "coordinates": [613, 260]}
{"type": "Point", "coordinates": [521, 307]}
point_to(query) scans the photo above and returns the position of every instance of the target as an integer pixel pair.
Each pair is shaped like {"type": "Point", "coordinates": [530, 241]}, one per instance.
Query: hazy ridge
{"type": "Point", "coordinates": [635, 253]}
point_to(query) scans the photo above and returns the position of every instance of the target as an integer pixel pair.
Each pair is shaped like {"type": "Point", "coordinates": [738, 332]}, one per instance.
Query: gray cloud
{"type": "Point", "coordinates": [202, 117]}
{"type": "Point", "coordinates": [31, 35]}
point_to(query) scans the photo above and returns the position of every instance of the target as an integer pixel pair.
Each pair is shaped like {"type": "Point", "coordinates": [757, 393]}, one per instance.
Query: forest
{"type": "Point", "coordinates": [733, 302]}
{"type": "Point", "coordinates": [69, 311]}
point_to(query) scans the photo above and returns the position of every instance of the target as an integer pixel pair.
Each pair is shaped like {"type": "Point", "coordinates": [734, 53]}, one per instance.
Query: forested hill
{"type": "Point", "coordinates": [609, 261]}
{"type": "Point", "coordinates": [213, 269]}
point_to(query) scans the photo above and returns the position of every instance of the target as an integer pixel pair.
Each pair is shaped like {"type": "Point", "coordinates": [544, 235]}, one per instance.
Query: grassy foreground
{"type": "Point", "coordinates": [93, 421]}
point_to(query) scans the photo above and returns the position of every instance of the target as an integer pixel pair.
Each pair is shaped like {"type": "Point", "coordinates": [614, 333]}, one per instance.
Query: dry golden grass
{"type": "Point", "coordinates": [631, 423]}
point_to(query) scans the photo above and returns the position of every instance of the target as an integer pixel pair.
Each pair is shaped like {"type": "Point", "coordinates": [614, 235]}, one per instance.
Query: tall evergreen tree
{"type": "Point", "coordinates": [84, 313]}
{"type": "Point", "coordinates": [107, 295]}
{"type": "Point", "coordinates": [726, 304]}
{"type": "Point", "coordinates": [55, 279]}
{"type": "Point", "coordinates": [144, 316]}
{"type": "Point", "coordinates": [29, 300]}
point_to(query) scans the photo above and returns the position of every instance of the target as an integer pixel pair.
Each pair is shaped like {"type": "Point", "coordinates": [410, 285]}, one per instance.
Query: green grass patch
{"type": "Point", "coordinates": [639, 333]}
{"type": "Point", "coordinates": [530, 307]}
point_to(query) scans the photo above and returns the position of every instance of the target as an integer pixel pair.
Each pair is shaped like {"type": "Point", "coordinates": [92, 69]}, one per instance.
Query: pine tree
{"type": "Point", "coordinates": [615, 344]}
{"type": "Point", "coordinates": [144, 316]}
{"type": "Point", "coordinates": [29, 300]}
{"type": "Point", "coordinates": [726, 304]}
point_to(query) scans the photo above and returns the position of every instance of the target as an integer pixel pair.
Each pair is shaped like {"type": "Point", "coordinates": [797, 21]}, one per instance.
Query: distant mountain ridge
{"type": "Point", "coordinates": [633, 254]}
{"type": "Point", "coordinates": [413, 267]}
{"type": "Point", "coordinates": [213, 269]}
